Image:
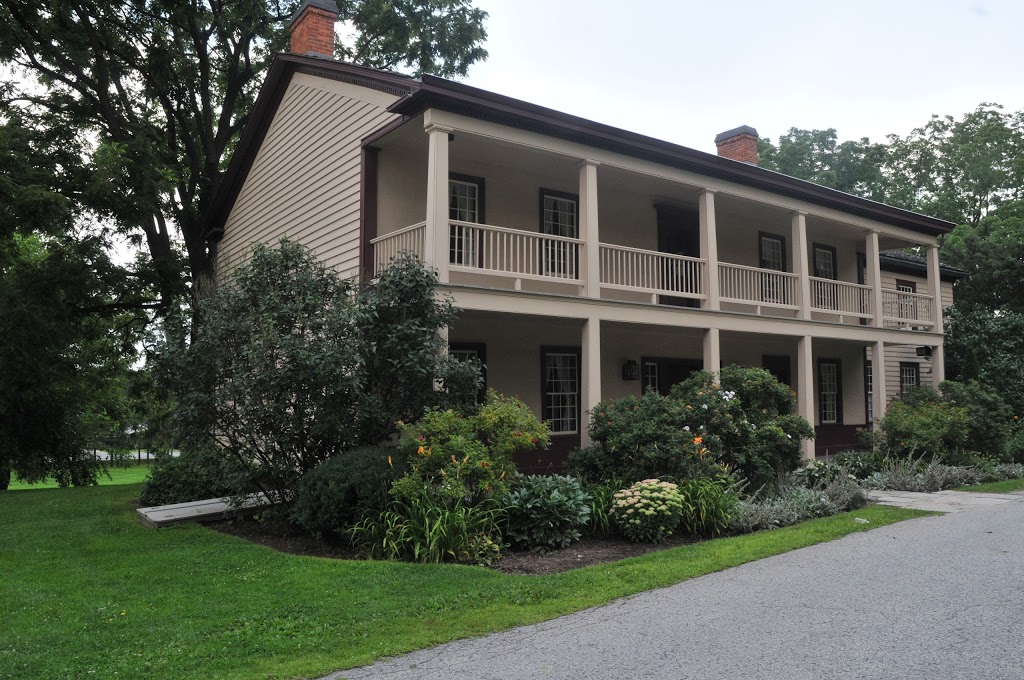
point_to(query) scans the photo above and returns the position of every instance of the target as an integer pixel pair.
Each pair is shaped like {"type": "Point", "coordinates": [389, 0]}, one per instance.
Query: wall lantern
{"type": "Point", "coordinates": [631, 370]}
{"type": "Point", "coordinates": [924, 352]}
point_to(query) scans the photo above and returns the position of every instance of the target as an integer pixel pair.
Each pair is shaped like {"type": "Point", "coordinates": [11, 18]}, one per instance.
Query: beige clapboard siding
{"type": "Point", "coordinates": [304, 182]}
{"type": "Point", "coordinates": [897, 354]}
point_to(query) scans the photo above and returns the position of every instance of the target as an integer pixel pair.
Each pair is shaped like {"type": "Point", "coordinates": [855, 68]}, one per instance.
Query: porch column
{"type": "Point", "coordinates": [935, 287]}
{"type": "Point", "coordinates": [709, 248]}
{"type": "Point", "coordinates": [800, 268]}
{"type": "Point", "coordinates": [712, 352]}
{"type": "Point", "coordinates": [878, 395]}
{"type": "Point", "coordinates": [805, 387]}
{"type": "Point", "coordinates": [938, 365]}
{"type": "Point", "coordinates": [590, 378]}
{"type": "Point", "coordinates": [435, 241]}
{"type": "Point", "coordinates": [874, 278]}
{"type": "Point", "coordinates": [591, 260]}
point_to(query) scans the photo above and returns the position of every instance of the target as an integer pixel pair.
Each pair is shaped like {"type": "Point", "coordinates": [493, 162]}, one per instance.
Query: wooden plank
{"type": "Point", "coordinates": [199, 511]}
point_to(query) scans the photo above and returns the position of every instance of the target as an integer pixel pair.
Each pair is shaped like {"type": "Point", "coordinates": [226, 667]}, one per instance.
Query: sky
{"type": "Point", "coordinates": [685, 71]}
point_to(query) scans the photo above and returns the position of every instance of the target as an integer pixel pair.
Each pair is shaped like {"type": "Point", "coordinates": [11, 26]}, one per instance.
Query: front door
{"type": "Point", "coordinates": [778, 365]}
{"type": "Point", "coordinates": [678, 234]}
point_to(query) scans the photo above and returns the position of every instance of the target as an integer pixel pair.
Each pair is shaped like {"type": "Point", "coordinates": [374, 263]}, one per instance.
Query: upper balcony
{"type": "Point", "coordinates": [490, 213]}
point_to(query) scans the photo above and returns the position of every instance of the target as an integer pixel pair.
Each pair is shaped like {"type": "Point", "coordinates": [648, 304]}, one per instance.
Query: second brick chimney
{"type": "Point", "coordinates": [739, 144]}
{"type": "Point", "coordinates": [312, 28]}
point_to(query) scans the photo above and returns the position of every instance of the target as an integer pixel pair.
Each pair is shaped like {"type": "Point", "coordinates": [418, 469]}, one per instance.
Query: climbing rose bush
{"type": "Point", "coordinates": [648, 511]}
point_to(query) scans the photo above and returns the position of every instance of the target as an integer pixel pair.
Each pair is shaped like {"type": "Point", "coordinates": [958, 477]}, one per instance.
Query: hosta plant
{"type": "Point", "coordinates": [545, 512]}
{"type": "Point", "coordinates": [648, 511]}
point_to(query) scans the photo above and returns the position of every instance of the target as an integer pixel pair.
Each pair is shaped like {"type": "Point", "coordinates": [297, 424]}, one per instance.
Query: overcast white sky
{"type": "Point", "coordinates": [685, 71]}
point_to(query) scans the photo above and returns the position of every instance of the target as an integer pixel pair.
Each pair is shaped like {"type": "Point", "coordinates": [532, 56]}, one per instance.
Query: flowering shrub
{"type": "Point", "coordinates": [649, 511]}
{"type": "Point", "coordinates": [746, 423]}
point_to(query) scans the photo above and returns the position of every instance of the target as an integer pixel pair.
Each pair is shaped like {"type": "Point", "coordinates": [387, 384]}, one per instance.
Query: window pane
{"type": "Point", "coordinates": [650, 375]}
{"type": "Point", "coordinates": [463, 205]}
{"type": "Point", "coordinates": [771, 253]}
{"type": "Point", "coordinates": [869, 384]}
{"type": "Point", "coordinates": [559, 217]}
{"type": "Point", "coordinates": [824, 263]}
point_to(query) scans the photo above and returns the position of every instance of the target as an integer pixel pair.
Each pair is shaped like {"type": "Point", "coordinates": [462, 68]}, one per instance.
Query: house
{"type": "Point", "coordinates": [590, 262]}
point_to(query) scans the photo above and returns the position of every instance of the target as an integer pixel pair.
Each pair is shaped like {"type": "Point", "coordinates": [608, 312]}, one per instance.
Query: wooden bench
{"type": "Point", "coordinates": [200, 511]}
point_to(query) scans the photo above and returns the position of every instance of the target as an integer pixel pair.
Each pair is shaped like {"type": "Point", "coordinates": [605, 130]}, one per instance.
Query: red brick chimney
{"type": "Point", "coordinates": [312, 28]}
{"type": "Point", "coordinates": [739, 144]}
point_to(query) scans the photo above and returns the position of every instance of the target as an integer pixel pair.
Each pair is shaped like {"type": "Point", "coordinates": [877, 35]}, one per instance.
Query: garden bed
{"type": "Point", "coordinates": [583, 553]}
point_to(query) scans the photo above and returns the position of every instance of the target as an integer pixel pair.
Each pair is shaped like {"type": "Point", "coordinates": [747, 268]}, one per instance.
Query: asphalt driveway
{"type": "Point", "coordinates": [936, 597]}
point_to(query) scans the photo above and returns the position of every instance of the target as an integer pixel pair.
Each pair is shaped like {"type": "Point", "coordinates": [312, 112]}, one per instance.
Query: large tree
{"type": "Point", "coordinates": [156, 93]}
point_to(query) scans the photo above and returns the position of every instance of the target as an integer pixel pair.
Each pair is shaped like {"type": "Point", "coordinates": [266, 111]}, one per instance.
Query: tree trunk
{"type": "Point", "coordinates": [5, 476]}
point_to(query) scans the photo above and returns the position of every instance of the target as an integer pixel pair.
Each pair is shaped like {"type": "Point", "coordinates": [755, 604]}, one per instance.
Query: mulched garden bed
{"type": "Point", "coordinates": [584, 553]}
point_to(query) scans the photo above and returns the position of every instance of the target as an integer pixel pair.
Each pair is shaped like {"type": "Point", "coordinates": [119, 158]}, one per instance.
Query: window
{"type": "Point", "coordinates": [825, 295]}
{"type": "Point", "coordinates": [465, 351]}
{"type": "Point", "coordinates": [465, 204]}
{"type": "Point", "coordinates": [561, 385]}
{"type": "Point", "coordinates": [829, 391]}
{"type": "Point", "coordinates": [869, 391]}
{"type": "Point", "coordinates": [772, 251]}
{"type": "Point", "coordinates": [910, 377]}
{"type": "Point", "coordinates": [559, 217]}
{"type": "Point", "coordinates": [906, 304]}
{"type": "Point", "coordinates": [650, 375]}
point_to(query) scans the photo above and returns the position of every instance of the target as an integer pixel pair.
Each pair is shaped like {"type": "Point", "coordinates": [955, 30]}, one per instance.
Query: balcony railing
{"type": "Point", "coordinates": [407, 240]}
{"type": "Point", "coordinates": [512, 252]}
{"type": "Point", "coordinates": [651, 272]}
{"type": "Point", "coordinates": [841, 298]}
{"type": "Point", "coordinates": [907, 310]}
{"type": "Point", "coordinates": [759, 287]}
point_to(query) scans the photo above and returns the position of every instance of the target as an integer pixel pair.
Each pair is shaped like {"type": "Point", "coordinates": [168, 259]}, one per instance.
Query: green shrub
{"type": "Point", "coordinates": [422, 529]}
{"type": "Point", "coordinates": [545, 513]}
{"type": "Point", "coordinates": [859, 464]}
{"type": "Point", "coordinates": [1009, 471]}
{"type": "Point", "coordinates": [346, 488]}
{"type": "Point", "coordinates": [708, 505]}
{"type": "Point", "coordinates": [916, 475]}
{"type": "Point", "coordinates": [687, 434]}
{"type": "Point", "coordinates": [921, 424]}
{"type": "Point", "coordinates": [194, 476]}
{"type": "Point", "coordinates": [648, 511]}
{"type": "Point", "coordinates": [1015, 442]}
{"type": "Point", "coordinates": [791, 504]}
{"type": "Point", "coordinates": [989, 418]}
{"type": "Point", "coordinates": [845, 493]}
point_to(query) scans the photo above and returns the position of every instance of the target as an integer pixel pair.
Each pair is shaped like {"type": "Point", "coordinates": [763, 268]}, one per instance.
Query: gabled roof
{"type": "Point", "coordinates": [433, 92]}
{"type": "Point", "coordinates": [901, 261]}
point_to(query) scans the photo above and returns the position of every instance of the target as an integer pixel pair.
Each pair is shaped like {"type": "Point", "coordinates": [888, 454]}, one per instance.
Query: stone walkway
{"type": "Point", "coordinates": [943, 501]}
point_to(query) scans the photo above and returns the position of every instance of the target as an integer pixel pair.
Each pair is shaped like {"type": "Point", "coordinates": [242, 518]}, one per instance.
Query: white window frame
{"type": "Point", "coordinates": [915, 372]}
{"type": "Point", "coordinates": [559, 257]}
{"type": "Point", "coordinates": [828, 392]}
{"type": "Point", "coordinates": [464, 241]}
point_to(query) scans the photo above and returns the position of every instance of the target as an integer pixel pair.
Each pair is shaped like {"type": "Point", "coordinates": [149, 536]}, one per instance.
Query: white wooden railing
{"type": "Point", "coordinates": [840, 297]}
{"type": "Point", "coordinates": [761, 287]}
{"type": "Point", "coordinates": [522, 254]}
{"type": "Point", "coordinates": [910, 310]}
{"type": "Point", "coordinates": [389, 246]}
{"type": "Point", "coordinates": [651, 272]}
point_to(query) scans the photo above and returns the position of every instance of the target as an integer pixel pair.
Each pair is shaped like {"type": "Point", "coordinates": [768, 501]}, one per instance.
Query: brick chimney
{"type": "Point", "coordinates": [739, 144]}
{"type": "Point", "coordinates": [312, 28]}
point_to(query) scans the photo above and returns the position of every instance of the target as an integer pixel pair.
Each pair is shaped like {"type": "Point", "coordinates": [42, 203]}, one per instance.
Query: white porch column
{"type": "Point", "coordinates": [805, 387]}
{"type": "Point", "coordinates": [590, 378]}
{"type": "Point", "coordinates": [709, 248]}
{"type": "Point", "coordinates": [938, 365]}
{"type": "Point", "coordinates": [935, 287]}
{"type": "Point", "coordinates": [874, 277]}
{"type": "Point", "coordinates": [435, 242]}
{"type": "Point", "coordinates": [712, 352]}
{"type": "Point", "coordinates": [879, 399]}
{"type": "Point", "coordinates": [591, 260]}
{"type": "Point", "coordinates": [800, 266]}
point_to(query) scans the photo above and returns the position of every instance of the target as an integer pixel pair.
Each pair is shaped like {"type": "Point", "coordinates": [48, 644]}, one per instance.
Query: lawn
{"type": "Point", "coordinates": [135, 473]}
{"type": "Point", "coordinates": [1005, 486]}
{"type": "Point", "coordinates": [89, 591]}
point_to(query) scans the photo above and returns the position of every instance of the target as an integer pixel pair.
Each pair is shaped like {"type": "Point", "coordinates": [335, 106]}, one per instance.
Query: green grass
{"type": "Point", "coordinates": [1005, 486]}
{"type": "Point", "coordinates": [89, 591]}
{"type": "Point", "coordinates": [135, 473]}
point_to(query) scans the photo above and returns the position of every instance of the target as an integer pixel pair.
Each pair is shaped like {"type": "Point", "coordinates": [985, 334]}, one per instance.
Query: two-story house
{"type": "Point", "coordinates": [589, 262]}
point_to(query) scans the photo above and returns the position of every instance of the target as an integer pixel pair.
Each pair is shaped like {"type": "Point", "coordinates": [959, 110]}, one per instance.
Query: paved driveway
{"type": "Point", "coordinates": [937, 597]}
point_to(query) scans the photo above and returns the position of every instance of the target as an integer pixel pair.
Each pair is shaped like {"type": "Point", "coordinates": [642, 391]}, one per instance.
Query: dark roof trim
{"type": "Point", "coordinates": [274, 86]}
{"type": "Point", "coordinates": [913, 266]}
{"type": "Point", "coordinates": [458, 98]}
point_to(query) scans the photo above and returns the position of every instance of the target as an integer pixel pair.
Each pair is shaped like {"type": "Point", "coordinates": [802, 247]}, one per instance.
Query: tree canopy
{"type": "Point", "coordinates": [154, 94]}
